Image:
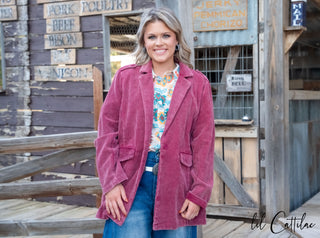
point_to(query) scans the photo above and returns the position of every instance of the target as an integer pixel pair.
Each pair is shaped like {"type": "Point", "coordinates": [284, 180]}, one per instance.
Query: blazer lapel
{"type": "Point", "coordinates": [180, 90]}
{"type": "Point", "coordinates": [146, 89]}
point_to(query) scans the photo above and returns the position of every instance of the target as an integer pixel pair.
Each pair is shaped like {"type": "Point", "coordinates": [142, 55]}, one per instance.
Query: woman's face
{"type": "Point", "coordinates": [160, 43]}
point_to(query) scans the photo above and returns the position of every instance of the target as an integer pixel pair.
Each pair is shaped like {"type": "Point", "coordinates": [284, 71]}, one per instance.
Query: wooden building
{"type": "Point", "coordinates": [265, 76]}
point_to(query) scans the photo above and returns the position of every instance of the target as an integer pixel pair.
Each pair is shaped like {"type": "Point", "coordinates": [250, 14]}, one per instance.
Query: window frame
{"type": "Point", "coordinates": [107, 45]}
{"type": "Point", "coordinates": [255, 90]}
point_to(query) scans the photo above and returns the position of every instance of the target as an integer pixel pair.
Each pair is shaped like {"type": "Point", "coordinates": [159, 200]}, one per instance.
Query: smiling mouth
{"type": "Point", "coordinates": [162, 51]}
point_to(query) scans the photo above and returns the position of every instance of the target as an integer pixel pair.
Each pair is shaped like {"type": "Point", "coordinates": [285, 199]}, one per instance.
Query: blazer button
{"type": "Point", "coordinates": [164, 146]}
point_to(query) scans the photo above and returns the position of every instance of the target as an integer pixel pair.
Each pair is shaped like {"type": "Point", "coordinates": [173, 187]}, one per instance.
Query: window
{"type": "Point", "coordinates": [2, 62]}
{"type": "Point", "coordinates": [212, 62]}
{"type": "Point", "coordinates": [119, 42]}
{"type": "Point", "coordinates": [304, 55]}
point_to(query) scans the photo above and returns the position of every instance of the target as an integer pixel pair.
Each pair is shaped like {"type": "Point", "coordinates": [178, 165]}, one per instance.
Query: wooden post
{"type": "Point", "coordinates": [229, 68]}
{"type": "Point", "coordinates": [277, 109]}
{"type": "Point", "coordinates": [97, 104]}
{"type": "Point", "coordinates": [97, 94]}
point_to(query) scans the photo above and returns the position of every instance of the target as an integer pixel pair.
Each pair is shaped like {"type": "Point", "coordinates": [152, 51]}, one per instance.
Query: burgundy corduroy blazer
{"type": "Point", "coordinates": [187, 144]}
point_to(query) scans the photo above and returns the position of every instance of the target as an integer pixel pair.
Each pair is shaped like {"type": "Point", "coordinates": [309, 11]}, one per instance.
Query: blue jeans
{"type": "Point", "coordinates": [138, 223]}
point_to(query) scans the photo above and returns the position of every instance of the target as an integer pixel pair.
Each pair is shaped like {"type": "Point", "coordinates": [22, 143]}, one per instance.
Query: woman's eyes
{"type": "Point", "coordinates": [165, 36]}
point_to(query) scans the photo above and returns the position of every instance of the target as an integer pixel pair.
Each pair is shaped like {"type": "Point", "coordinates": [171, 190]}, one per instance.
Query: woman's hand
{"type": "Point", "coordinates": [114, 201]}
{"type": "Point", "coordinates": [189, 210]}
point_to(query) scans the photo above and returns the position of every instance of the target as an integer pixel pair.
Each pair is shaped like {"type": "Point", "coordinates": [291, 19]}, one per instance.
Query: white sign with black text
{"type": "Point", "coordinates": [239, 83]}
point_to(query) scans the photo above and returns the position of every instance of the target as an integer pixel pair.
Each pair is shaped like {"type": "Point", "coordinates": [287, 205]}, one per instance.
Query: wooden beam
{"type": "Point", "coordinates": [219, 122]}
{"type": "Point", "coordinates": [316, 2]}
{"type": "Point", "coordinates": [231, 211]}
{"type": "Point", "coordinates": [47, 162]}
{"type": "Point", "coordinates": [236, 131]}
{"type": "Point", "coordinates": [230, 180]}
{"type": "Point", "coordinates": [228, 69]}
{"type": "Point", "coordinates": [276, 108]}
{"type": "Point", "coordinates": [48, 142]}
{"type": "Point", "coordinates": [53, 188]}
{"type": "Point", "coordinates": [292, 34]}
{"type": "Point", "coordinates": [97, 94]}
{"type": "Point", "coordinates": [52, 227]}
{"type": "Point", "coordinates": [304, 95]}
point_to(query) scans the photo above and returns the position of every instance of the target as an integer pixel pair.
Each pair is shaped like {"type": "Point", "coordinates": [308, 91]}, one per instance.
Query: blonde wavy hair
{"type": "Point", "coordinates": [165, 15]}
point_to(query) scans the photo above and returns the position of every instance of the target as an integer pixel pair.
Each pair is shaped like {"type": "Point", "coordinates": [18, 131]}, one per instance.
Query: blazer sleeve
{"type": "Point", "coordinates": [202, 144]}
{"type": "Point", "coordinates": [109, 168]}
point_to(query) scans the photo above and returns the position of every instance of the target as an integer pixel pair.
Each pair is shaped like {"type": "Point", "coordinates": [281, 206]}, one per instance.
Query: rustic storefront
{"type": "Point", "coordinates": [264, 73]}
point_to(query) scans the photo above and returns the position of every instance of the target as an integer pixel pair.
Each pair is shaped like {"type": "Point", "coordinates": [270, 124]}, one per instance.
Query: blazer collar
{"type": "Point", "coordinates": [146, 87]}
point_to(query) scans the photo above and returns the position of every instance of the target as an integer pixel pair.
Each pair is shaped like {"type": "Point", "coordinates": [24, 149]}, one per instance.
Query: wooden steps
{"type": "Point", "coordinates": [24, 218]}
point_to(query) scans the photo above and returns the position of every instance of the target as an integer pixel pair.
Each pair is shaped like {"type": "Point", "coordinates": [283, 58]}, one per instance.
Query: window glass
{"type": "Point", "coordinates": [304, 56]}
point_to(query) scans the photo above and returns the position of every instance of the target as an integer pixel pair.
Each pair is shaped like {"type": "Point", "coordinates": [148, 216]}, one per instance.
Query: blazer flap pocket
{"type": "Point", "coordinates": [126, 153]}
{"type": "Point", "coordinates": [186, 159]}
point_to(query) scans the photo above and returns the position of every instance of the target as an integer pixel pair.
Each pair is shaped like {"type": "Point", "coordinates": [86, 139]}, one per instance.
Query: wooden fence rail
{"type": "Point", "coordinates": [45, 163]}
{"type": "Point", "coordinates": [65, 187]}
{"type": "Point", "coordinates": [74, 147]}
{"type": "Point", "coordinates": [48, 142]}
{"type": "Point", "coordinates": [55, 227]}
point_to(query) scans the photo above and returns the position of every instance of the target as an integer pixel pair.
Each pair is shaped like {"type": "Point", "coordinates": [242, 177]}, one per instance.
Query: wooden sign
{"type": "Point", "coordinates": [59, 25]}
{"type": "Point", "coordinates": [220, 15]}
{"type": "Point", "coordinates": [63, 73]}
{"type": "Point", "coordinates": [239, 83]}
{"type": "Point", "coordinates": [61, 9]}
{"type": "Point", "coordinates": [94, 7]}
{"type": "Point", "coordinates": [64, 40]}
{"type": "Point", "coordinates": [7, 2]}
{"type": "Point", "coordinates": [63, 56]}
{"type": "Point", "coordinates": [8, 13]}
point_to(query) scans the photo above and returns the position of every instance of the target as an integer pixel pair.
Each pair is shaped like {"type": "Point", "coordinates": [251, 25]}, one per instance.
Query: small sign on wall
{"type": "Point", "coordinates": [8, 13]}
{"type": "Point", "coordinates": [63, 56]}
{"type": "Point", "coordinates": [239, 83]}
{"type": "Point", "coordinates": [58, 25]}
{"type": "Point", "coordinates": [63, 73]}
{"type": "Point", "coordinates": [64, 40]}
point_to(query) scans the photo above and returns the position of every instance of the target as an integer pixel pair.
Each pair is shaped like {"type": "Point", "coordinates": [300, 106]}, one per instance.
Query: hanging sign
{"type": "Point", "coordinates": [94, 7]}
{"type": "Point", "coordinates": [239, 83]}
{"type": "Point", "coordinates": [298, 12]}
{"type": "Point", "coordinates": [8, 13]}
{"type": "Point", "coordinates": [63, 40]}
{"type": "Point", "coordinates": [63, 56]}
{"type": "Point", "coordinates": [220, 15]}
{"type": "Point", "coordinates": [63, 73]}
{"type": "Point", "coordinates": [7, 2]}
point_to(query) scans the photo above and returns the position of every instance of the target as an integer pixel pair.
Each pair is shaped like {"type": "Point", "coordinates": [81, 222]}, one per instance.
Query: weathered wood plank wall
{"type": "Point", "coordinates": [241, 156]}
{"type": "Point", "coordinates": [15, 114]}
{"type": "Point", "coordinates": [304, 151]}
{"type": "Point", "coordinates": [14, 109]}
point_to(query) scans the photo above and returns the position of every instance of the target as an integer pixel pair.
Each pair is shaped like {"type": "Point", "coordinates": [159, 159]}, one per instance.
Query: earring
{"type": "Point", "coordinates": [177, 47]}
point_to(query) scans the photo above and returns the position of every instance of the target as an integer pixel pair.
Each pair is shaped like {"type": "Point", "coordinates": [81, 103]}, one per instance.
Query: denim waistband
{"type": "Point", "coordinates": [153, 157]}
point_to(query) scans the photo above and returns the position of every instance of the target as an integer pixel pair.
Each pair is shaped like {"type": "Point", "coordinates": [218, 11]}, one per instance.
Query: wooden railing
{"type": "Point", "coordinates": [73, 147]}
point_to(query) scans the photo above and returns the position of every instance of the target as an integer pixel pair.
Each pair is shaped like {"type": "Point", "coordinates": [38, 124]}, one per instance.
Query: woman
{"type": "Point", "coordinates": [155, 138]}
